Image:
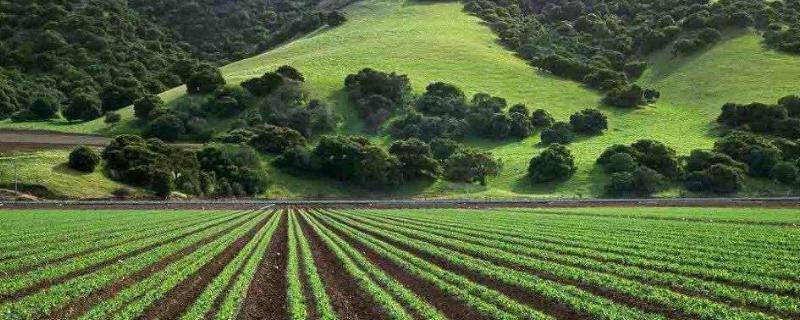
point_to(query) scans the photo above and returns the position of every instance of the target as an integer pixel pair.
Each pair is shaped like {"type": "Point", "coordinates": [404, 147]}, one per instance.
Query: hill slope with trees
{"type": "Point", "coordinates": [441, 42]}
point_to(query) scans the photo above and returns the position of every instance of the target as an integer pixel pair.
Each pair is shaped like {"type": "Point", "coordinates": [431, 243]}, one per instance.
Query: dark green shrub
{"type": "Point", "coordinates": [589, 121]}
{"type": "Point", "coordinates": [205, 79]}
{"type": "Point", "coordinates": [83, 159]}
{"type": "Point", "coordinates": [784, 172]}
{"type": "Point", "coordinates": [718, 178]}
{"type": "Point", "coordinates": [559, 132]}
{"type": "Point", "coordinates": [272, 139]}
{"type": "Point", "coordinates": [553, 164]}
{"type": "Point", "coordinates": [621, 162]}
{"type": "Point", "coordinates": [470, 165]}
{"type": "Point", "coordinates": [145, 105]}
{"type": "Point", "coordinates": [540, 118]}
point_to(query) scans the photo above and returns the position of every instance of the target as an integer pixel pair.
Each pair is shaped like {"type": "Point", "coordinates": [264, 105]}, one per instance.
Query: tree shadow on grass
{"type": "Point", "coordinates": [64, 168]}
{"type": "Point", "coordinates": [663, 63]}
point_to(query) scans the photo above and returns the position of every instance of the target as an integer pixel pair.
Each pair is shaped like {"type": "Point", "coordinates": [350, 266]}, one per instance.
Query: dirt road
{"type": "Point", "coordinates": [24, 140]}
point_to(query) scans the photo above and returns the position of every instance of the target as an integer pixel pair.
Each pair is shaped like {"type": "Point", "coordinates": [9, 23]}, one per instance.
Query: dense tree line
{"type": "Point", "coordinates": [93, 57]}
{"type": "Point", "coordinates": [781, 119]}
{"type": "Point", "coordinates": [215, 170]}
{"type": "Point", "coordinates": [87, 56]}
{"type": "Point", "coordinates": [275, 99]}
{"type": "Point", "coordinates": [355, 159]}
{"type": "Point", "coordinates": [642, 168]}
{"type": "Point", "coordinates": [604, 43]}
{"type": "Point", "coordinates": [225, 31]}
{"type": "Point", "coordinates": [444, 111]}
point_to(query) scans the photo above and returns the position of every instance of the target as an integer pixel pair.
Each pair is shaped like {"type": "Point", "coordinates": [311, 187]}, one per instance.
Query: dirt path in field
{"type": "Point", "coordinates": [521, 295]}
{"type": "Point", "coordinates": [43, 263]}
{"type": "Point", "coordinates": [81, 306]}
{"type": "Point", "coordinates": [24, 140]}
{"type": "Point", "coordinates": [266, 296]}
{"type": "Point", "coordinates": [450, 306]}
{"type": "Point", "coordinates": [348, 299]}
{"type": "Point", "coordinates": [177, 300]}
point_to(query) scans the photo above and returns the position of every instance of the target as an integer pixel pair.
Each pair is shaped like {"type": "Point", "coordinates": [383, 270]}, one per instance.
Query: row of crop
{"type": "Point", "coordinates": [760, 263]}
{"type": "Point", "coordinates": [36, 221]}
{"type": "Point", "coordinates": [586, 303]}
{"type": "Point", "coordinates": [216, 290]}
{"type": "Point", "coordinates": [49, 226]}
{"type": "Point", "coordinates": [364, 277]}
{"type": "Point", "coordinates": [43, 302]}
{"type": "Point", "coordinates": [672, 231]}
{"type": "Point", "coordinates": [129, 236]}
{"type": "Point", "coordinates": [19, 282]}
{"type": "Point", "coordinates": [39, 249]}
{"type": "Point", "coordinates": [742, 215]}
{"type": "Point", "coordinates": [488, 302]}
{"type": "Point", "coordinates": [605, 283]}
{"type": "Point", "coordinates": [322, 302]}
{"type": "Point", "coordinates": [295, 296]}
{"type": "Point", "coordinates": [132, 301]}
{"type": "Point", "coordinates": [395, 289]}
{"type": "Point", "coordinates": [588, 260]}
{"type": "Point", "coordinates": [31, 237]}
{"type": "Point", "coordinates": [749, 273]}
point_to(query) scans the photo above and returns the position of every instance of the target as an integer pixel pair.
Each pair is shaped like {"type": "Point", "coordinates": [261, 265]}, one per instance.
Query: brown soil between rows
{"type": "Point", "coordinates": [179, 298]}
{"type": "Point", "coordinates": [266, 295]}
{"type": "Point", "coordinates": [226, 290]}
{"type": "Point", "coordinates": [349, 300]}
{"type": "Point", "coordinates": [61, 259]}
{"type": "Point", "coordinates": [450, 306]}
{"type": "Point", "coordinates": [521, 295]}
{"type": "Point", "coordinates": [82, 305]}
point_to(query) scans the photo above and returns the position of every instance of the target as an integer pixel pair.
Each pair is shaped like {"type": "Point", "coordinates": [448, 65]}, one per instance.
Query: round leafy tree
{"type": "Point", "coordinates": [83, 159]}
{"type": "Point", "coordinates": [553, 164]}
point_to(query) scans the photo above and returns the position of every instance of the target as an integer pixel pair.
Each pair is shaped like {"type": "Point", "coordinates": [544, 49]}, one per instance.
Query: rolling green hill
{"type": "Point", "coordinates": [438, 41]}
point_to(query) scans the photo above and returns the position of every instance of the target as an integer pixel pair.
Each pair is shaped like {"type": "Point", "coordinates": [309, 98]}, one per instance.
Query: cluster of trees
{"type": "Point", "coordinates": [587, 122]}
{"type": "Point", "coordinates": [94, 57]}
{"type": "Point", "coordinates": [604, 43]}
{"type": "Point", "coordinates": [555, 163]}
{"type": "Point", "coordinates": [377, 95]}
{"type": "Point", "coordinates": [775, 158]}
{"type": "Point", "coordinates": [642, 168]}
{"type": "Point", "coordinates": [222, 32]}
{"type": "Point", "coordinates": [229, 170]}
{"type": "Point", "coordinates": [86, 57]}
{"type": "Point", "coordinates": [274, 99]}
{"type": "Point", "coordinates": [443, 111]}
{"type": "Point", "coordinates": [648, 166]}
{"type": "Point", "coordinates": [781, 119]}
{"type": "Point", "coordinates": [355, 159]}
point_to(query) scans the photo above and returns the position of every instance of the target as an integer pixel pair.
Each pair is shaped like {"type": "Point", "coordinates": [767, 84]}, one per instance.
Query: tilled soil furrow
{"type": "Point", "coordinates": [348, 299]}
{"type": "Point", "coordinates": [451, 307]}
{"type": "Point", "coordinates": [179, 298]}
{"type": "Point", "coordinates": [266, 295]}
{"type": "Point", "coordinates": [81, 306]}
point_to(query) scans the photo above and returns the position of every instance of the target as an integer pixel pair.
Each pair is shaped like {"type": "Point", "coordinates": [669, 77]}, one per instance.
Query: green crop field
{"type": "Point", "coordinates": [298, 263]}
{"type": "Point", "coordinates": [440, 42]}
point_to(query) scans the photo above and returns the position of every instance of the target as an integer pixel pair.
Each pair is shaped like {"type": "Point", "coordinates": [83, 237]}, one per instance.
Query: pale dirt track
{"type": "Point", "coordinates": [27, 140]}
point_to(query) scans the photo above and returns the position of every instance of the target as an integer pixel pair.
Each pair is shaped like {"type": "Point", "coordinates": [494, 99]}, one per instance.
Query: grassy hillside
{"type": "Point", "coordinates": [438, 41]}
{"type": "Point", "coordinates": [50, 170]}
